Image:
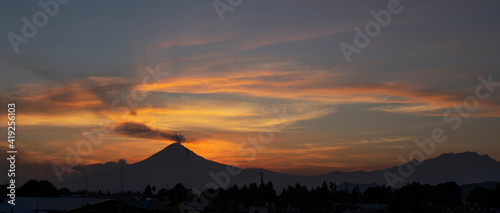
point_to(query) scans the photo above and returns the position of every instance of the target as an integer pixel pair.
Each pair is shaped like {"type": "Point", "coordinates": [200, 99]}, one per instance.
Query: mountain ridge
{"type": "Point", "coordinates": [178, 164]}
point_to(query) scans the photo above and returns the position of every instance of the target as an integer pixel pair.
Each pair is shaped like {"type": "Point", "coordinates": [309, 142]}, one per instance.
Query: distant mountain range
{"type": "Point", "coordinates": [177, 164]}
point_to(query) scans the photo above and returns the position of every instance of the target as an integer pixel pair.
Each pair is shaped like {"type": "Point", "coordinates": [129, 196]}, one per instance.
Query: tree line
{"type": "Point", "coordinates": [414, 196]}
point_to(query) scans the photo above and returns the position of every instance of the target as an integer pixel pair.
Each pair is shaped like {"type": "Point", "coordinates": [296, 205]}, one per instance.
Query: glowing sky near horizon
{"type": "Point", "coordinates": [225, 78]}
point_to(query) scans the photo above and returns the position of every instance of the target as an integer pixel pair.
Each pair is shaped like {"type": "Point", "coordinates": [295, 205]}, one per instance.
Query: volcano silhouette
{"type": "Point", "coordinates": [177, 164]}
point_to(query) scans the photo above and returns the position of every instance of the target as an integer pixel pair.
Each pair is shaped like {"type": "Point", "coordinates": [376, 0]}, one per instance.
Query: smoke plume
{"type": "Point", "coordinates": [140, 130]}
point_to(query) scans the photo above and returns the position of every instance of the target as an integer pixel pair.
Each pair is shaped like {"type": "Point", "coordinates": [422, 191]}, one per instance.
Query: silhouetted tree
{"type": "Point", "coordinates": [252, 194]}
{"type": "Point", "coordinates": [333, 188]}
{"type": "Point", "coordinates": [447, 194]}
{"type": "Point", "coordinates": [162, 194]}
{"type": "Point", "coordinates": [322, 197]}
{"type": "Point", "coordinates": [178, 193]}
{"type": "Point", "coordinates": [147, 192]}
{"type": "Point", "coordinates": [355, 196]}
{"type": "Point", "coordinates": [484, 198]}
{"type": "Point", "coordinates": [265, 193]}
{"type": "Point", "coordinates": [412, 197]}
{"type": "Point", "coordinates": [3, 191]}
{"type": "Point", "coordinates": [342, 196]}
{"type": "Point", "coordinates": [35, 188]}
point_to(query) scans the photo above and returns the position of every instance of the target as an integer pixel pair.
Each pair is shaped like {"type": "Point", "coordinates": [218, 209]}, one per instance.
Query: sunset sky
{"type": "Point", "coordinates": [225, 78]}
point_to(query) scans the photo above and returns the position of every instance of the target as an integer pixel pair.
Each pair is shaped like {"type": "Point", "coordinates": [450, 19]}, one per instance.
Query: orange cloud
{"type": "Point", "coordinates": [314, 94]}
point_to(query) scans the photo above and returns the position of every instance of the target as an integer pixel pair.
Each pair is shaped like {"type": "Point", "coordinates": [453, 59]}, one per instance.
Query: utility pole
{"type": "Point", "coordinates": [86, 187]}
{"type": "Point", "coordinates": [122, 180]}
{"type": "Point", "coordinates": [262, 178]}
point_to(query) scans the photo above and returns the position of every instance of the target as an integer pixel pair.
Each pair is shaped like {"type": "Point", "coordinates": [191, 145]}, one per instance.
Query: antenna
{"type": "Point", "coordinates": [262, 178]}
{"type": "Point", "coordinates": [122, 180]}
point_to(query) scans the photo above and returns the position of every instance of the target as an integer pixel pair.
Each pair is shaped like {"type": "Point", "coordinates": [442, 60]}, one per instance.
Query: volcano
{"type": "Point", "coordinates": [177, 164]}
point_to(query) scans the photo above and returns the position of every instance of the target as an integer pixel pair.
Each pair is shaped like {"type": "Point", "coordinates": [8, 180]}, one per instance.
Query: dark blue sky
{"type": "Point", "coordinates": [226, 77]}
